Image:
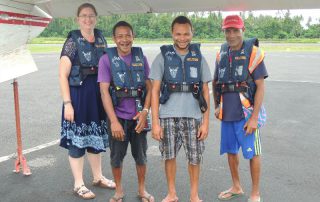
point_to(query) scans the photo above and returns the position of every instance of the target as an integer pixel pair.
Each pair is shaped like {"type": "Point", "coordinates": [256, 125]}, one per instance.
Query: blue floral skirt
{"type": "Point", "coordinates": [89, 129]}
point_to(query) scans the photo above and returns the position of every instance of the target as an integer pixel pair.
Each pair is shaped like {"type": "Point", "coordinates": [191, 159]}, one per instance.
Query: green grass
{"type": "Point", "coordinates": [34, 48]}
{"type": "Point", "coordinates": [290, 47]}
{"type": "Point", "coordinates": [60, 40]}
{"type": "Point", "coordinates": [54, 44]}
{"type": "Point", "coordinates": [51, 40]}
{"type": "Point", "coordinates": [302, 40]}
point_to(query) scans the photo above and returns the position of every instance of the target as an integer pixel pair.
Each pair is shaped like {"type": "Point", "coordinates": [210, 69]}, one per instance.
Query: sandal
{"type": "Point", "coordinates": [146, 197]}
{"type": "Point", "coordinates": [116, 198]}
{"type": "Point", "coordinates": [83, 192]}
{"type": "Point", "coordinates": [104, 183]}
{"type": "Point", "coordinates": [170, 200]}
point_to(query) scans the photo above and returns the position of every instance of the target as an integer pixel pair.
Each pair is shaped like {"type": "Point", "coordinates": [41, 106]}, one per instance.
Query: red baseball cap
{"type": "Point", "coordinates": [234, 21]}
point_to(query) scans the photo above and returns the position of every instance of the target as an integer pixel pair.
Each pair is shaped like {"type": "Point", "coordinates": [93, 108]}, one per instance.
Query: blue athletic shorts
{"type": "Point", "coordinates": [233, 136]}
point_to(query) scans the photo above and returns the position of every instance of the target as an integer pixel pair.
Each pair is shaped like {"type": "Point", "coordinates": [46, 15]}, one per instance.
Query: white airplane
{"type": "Point", "coordinates": [23, 20]}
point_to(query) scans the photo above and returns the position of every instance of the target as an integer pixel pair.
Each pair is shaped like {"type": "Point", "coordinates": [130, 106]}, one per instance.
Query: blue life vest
{"type": "Point", "coordinates": [127, 81]}
{"type": "Point", "coordinates": [233, 70]}
{"type": "Point", "coordinates": [124, 76]}
{"type": "Point", "coordinates": [88, 54]}
{"type": "Point", "coordinates": [182, 76]}
{"type": "Point", "coordinates": [177, 71]}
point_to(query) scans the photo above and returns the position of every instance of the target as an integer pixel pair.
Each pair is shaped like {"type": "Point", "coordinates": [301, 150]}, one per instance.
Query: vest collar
{"type": "Point", "coordinates": [175, 50]}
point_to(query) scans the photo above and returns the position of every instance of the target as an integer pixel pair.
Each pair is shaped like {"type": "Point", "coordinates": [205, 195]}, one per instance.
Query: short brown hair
{"type": "Point", "coordinates": [86, 5]}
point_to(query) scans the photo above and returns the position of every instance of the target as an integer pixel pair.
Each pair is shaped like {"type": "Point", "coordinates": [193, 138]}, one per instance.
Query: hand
{"type": "Point", "coordinates": [217, 112]}
{"type": "Point", "coordinates": [157, 132]}
{"type": "Point", "coordinates": [69, 112]}
{"type": "Point", "coordinates": [251, 125]}
{"type": "Point", "coordinates": [117, 131]}
{"type": "Point", "coordinates": [203, 132]}
{"type": "Point", "coordinates": [142, 118]}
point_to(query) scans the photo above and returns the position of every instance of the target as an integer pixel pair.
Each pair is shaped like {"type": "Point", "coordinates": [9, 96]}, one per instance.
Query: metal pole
{"type": "Point", "coordinates": [21, 161]}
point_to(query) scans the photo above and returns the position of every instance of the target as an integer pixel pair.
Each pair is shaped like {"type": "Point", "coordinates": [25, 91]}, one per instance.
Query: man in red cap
{"type": "Point", "coordinates": [239, 86]}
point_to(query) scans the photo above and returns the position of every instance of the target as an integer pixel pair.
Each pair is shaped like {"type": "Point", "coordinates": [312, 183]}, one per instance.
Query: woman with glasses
{"type": "Point", "coordinates": [83, 126]}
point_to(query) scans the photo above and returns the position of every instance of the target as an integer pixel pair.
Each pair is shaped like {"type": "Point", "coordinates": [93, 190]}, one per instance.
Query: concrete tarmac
{"type": "Point", "coordinates": [290, 140]}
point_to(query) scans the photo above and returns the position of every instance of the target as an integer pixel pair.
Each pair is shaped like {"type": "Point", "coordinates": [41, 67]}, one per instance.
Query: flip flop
{"type": "Point", "coordinates": [199, 200]}
{"type": "Point", "coordinates": [259, 200]}
{"type": "Point", "coordinates": [170, 200]}
{"type": "Point", "coordinates": [231, 195]}
{"type": "Point", "coordinates": [148, 197]}
{"type": "Point", "coordinates": [116, 198]}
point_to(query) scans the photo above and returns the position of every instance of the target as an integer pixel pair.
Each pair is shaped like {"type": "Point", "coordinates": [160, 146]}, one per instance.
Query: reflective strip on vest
{"type": "Point", "coordinates": [218, 57]}
{"type": "Point", "coordinates": [257, 55]}
{"type": "Point", "coordinates": [221, 108]}
{"type": "Point", "coordinates": [244, 101]}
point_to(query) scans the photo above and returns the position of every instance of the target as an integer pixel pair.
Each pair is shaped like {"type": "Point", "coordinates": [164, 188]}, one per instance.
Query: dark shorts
{"type": "Point", "coordinates": [76, 152]}
{"type": "Point", "coordinates": [138, 142]}
{"type": "Point", "coordinates": [178, 132]}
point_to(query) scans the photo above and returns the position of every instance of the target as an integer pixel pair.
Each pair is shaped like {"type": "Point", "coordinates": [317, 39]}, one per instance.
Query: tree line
{"type": "Point", "coordinates": [207, 25]}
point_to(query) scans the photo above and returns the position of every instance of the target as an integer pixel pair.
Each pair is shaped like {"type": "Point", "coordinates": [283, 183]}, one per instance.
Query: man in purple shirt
{"type": "Point", "coordinates": [124, 84]}
{"type": "Point", "coordinates": [238, 83]}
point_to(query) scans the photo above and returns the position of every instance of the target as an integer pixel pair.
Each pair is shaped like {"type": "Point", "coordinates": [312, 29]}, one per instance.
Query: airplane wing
{"type": "Point", "coordinates": [22, 20]}
{"type": "Point", "coordinates": [67, 8]}
{"type": "Point", "coordinates": [19, 23]}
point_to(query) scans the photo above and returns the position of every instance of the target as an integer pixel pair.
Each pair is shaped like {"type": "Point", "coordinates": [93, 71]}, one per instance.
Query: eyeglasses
{"type": "Point", "coordinates": [87, 16]}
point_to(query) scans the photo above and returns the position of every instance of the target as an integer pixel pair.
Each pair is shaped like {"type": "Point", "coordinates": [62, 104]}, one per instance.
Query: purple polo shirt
{"type": "Point", "coordinates": [126, 108]}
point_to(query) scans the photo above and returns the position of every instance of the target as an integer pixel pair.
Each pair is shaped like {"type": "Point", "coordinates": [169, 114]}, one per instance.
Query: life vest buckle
{"type": "Point", "coordinates": [195, 89]}
{"type": "Point", "coordinates": [184, 88]}
{"type": "Point", "coordinates": [231, 87]}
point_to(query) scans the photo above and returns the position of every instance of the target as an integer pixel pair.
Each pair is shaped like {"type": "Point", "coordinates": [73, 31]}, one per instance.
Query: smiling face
{"type": "Point", "coordinates": [234, 37]}
{"type": "Point", "coordinates": [123, 38]}
{"type": "Point", "coordinates": [182, 36]}
{"type": "Point", "coordinates": [87, 19]}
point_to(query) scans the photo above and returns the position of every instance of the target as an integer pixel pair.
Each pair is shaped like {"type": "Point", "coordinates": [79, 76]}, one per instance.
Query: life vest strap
{"type": "Point", "coordinates": [225, 88]}
{"type": "Point", "coordinates": [127, 93]}
{"type": "Point", "coordinates": [183, 87]}
{"type": "Point", "coordinates": [89, 70]}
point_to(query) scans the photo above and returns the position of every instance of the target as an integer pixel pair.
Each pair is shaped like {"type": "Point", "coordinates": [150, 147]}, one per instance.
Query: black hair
{"type": "Point", "coordinates": [181, 20]}
{"type": "Point", "coordinates": [121, 24]}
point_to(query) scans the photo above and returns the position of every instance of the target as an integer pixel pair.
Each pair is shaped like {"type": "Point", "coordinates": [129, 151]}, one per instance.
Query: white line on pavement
{"type": "Point", "coordinates": [42, 146]}
{"type": "Point", "coordinates": [288, 81]}
{"type": "Point", "coordinates": [39, 147]}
